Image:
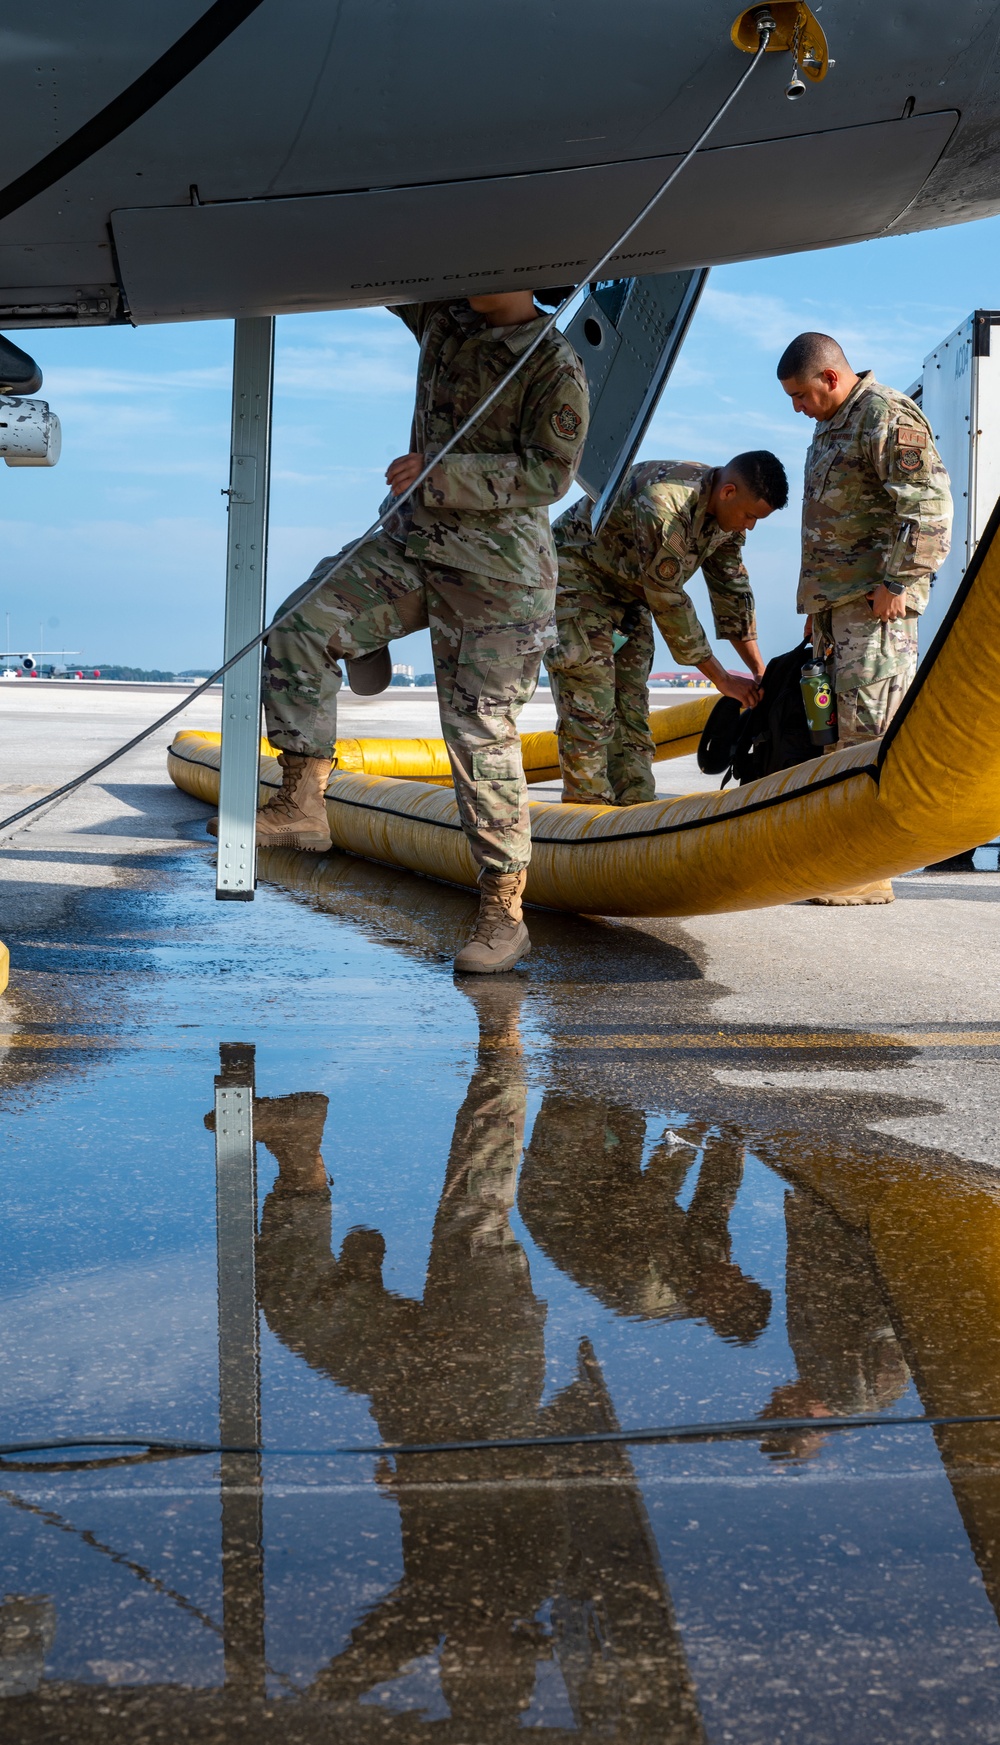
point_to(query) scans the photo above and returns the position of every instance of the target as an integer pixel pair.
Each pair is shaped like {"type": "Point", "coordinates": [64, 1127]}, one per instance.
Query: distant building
{"type": "Point", "coordinates": [688, 681]}
{"type": "Point", "coordinates": [402, 675]}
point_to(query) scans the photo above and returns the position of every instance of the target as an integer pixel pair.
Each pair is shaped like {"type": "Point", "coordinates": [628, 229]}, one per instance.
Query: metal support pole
{"type": "Point", "coordinates": [246, 579]}
{"type": "Point", "coordinates": [239, 1371]}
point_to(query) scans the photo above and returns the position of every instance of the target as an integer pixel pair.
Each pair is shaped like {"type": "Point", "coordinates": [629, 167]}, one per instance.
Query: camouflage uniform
{"type": "Point", "coordinates": [657, 535]}
{"type": "Point", "coordinates": [876, 507]}
{"type": "Point", "coordinates": [473, 560]}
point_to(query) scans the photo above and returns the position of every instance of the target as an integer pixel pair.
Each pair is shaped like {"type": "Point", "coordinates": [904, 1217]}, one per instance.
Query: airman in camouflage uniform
{"type": "Point", "coordinates": [876, 509]}
{"type": "Point", "coordinates": [474, 560]}
{"type": "Point", "coordinates": [671, 519]}
{"type": "Point", "coordinates": [876, 524]}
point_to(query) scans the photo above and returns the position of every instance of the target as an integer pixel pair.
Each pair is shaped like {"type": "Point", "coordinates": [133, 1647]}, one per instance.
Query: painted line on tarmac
{"type": "Point", "coordinates": [720, 1040]}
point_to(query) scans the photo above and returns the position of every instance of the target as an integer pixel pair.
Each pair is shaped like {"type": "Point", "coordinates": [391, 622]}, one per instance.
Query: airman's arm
{"type": "Point", "coordinates": [903, 454]}
{"type": "Point", "coordinates": [729, 590]}
{"type": "Point", "coordinates": [676, 619]}
{"type": "Point", "coordinates": [662, 533]}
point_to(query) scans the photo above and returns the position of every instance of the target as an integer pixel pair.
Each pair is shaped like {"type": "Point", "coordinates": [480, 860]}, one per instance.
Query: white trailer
{"type": "Point", "coordinates": [959, 394]}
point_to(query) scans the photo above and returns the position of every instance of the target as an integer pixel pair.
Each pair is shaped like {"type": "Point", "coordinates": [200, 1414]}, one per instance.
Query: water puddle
{"type": "Point", "coordinates": [276, 1184]}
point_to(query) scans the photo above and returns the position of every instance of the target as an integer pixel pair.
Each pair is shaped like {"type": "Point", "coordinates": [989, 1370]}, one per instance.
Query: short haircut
{"type": "Point", "coordinates": [763, 475]}
{"type": "Point", "coordinates": [808, 355]}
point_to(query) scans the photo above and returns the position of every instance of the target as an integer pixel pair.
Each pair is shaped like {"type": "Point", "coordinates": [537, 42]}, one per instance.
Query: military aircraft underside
{"type": "Point", "coordinates": [312, 156]}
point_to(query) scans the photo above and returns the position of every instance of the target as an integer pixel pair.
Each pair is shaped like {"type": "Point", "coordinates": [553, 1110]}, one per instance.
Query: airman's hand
{"type": "Point", "coordinates": [746, 690]}
{"type": "Point", "coordinates": [401, 473]}
{"type": "Point", "coordinates": [886, 606]}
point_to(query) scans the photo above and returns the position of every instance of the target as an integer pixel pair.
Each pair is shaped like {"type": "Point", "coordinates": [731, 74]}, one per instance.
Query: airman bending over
{"type": "Point", "coordinates": [671, 518]}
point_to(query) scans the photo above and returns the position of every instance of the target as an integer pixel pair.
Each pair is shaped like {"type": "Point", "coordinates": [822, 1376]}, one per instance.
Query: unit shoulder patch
{"type": "Point", "coordinates": [566, 422]}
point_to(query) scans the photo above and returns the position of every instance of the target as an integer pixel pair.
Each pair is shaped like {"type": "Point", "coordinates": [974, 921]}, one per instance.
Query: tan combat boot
{"type": "Point", "coordinates": [501, 938]}
{"type": "Point", "coordinates": [296, 816]}
{"type": "Point", "coordinates": [880, 891]}
{"type": "Point", "coordinates": [292, 1129]}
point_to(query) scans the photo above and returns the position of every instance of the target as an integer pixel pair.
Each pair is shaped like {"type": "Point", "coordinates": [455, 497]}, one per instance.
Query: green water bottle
{"type": "Point", "coordinates": [820, 702]}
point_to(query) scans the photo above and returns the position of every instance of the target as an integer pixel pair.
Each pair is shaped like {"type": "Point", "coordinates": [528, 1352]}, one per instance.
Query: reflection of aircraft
{"type": "Point", "coordinates": [505, 1568]}
{"type": "Point", "coordinates": [272, 157]}
{"type": "Point", "coordinates": [617, 1228]}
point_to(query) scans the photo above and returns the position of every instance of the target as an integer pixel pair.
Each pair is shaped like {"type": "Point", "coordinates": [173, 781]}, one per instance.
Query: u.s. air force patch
{"type": "Point", "coordinates": [910, 445]}
{"type": "Point", "coordinates": [566, 422]}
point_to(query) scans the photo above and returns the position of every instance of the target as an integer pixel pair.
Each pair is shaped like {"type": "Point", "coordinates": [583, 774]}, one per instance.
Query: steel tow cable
{"type": "Point", "coordinates": [765, 31]}
{"type": "Point", "coordinates": [726, 1430]}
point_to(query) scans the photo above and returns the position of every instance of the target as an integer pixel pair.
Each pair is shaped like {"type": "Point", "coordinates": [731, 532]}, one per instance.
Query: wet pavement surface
{"type": "Point", "coordinates": [274, 1180]}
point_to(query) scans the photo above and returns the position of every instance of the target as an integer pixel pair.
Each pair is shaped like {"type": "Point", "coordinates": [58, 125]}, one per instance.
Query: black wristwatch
{"type": "Point", "coordinates": [895, 586]}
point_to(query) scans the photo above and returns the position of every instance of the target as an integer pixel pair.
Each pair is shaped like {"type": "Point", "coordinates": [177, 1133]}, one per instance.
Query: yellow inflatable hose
{"type": "Point", "coordinates": [4, 967]}
{"type": "Point", "coordinates": [929, 789]}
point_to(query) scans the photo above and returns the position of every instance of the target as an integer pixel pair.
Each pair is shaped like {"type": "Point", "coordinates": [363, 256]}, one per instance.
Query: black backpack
{"type": "Point", "coordinates": [771, 736]}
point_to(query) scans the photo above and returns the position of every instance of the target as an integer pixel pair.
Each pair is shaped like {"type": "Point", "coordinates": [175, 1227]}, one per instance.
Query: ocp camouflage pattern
{"type": "Point", "coordinates": [474, 562]}
{"type": "Point", "coordinates": [483, 508]}
{"type": "Point", "coordinates": [876, 502]}
{"type": "Point", "coordinates": [605, 746]}
{"type": "Point", "coordinates": [487, 638]}
{"type": "Point", "coordinates": [657, 535]}
{"type": "Point", "coordinates": [872, 664]}
{"type": "Point", "coordinates": [655, 538]}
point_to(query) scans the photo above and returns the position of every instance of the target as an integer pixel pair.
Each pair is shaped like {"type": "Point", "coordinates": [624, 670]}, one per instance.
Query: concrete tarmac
{"type": "Point", "coordinates": [930, 960]}
{"type": "Point", "coordinates": [279, 1187]}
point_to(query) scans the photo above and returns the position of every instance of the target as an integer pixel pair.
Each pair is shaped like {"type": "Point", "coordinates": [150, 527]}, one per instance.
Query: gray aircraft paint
{"type": "Point", "coordinates": [383, 153]}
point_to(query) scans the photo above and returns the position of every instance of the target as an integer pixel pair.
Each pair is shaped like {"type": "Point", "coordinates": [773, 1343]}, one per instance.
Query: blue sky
{"type": "Point", "coordinates": [119, 551]}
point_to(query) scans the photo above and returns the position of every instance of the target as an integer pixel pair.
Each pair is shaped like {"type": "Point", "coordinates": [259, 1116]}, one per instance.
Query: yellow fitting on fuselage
{"type": "Point", "coordinates": [795, 30]}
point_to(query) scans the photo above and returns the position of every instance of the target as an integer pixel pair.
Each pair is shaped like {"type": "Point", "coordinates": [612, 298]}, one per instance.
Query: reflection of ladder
{"type": "Point", "coordinates": [239, 1370]}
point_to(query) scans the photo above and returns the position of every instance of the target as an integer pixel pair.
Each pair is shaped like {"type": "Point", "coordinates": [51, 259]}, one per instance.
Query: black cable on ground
{"type": "Point", "coordinates": [726, 1430]}
{"type": "Point", "coordinates": [765, 30]}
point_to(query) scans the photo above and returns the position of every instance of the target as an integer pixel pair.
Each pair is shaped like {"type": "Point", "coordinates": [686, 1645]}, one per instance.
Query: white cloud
{"type": "Point", "coordinates": [140, 1334]}
{"type": "Point", "coordinates": [75, 381]}
{"type": "Point", "coordinates": [897, 335]}
{"type": "Point", "coordinates": [345, 369]}
{"type": "Point", "coordinates": [765, 320]}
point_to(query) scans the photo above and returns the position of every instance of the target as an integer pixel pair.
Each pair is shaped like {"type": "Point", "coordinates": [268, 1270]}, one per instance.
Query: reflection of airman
{"type": "Point", "coordinates": [845, 1347]}
{"type": "Point", "coordinates": [618, 1229]}
{"type": "Point", "coordinates": [499, 1578]}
